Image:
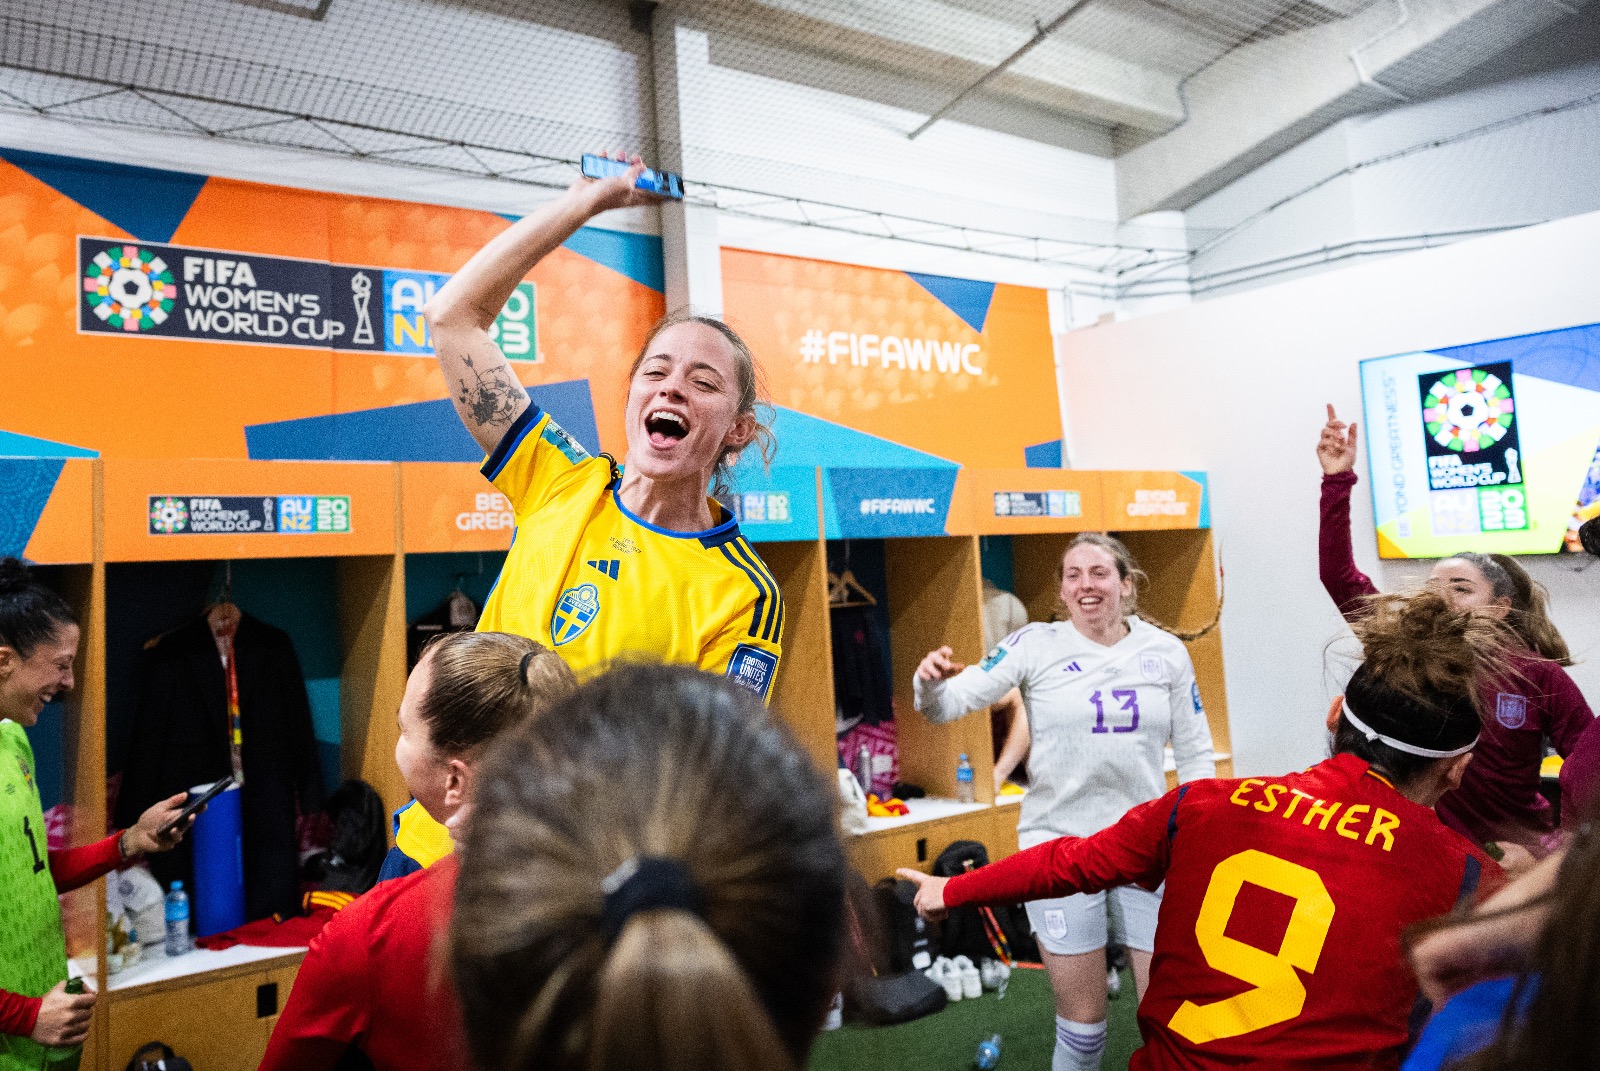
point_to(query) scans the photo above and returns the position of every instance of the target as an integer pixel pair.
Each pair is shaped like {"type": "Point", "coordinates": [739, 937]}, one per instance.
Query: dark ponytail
{"type": "Point", "coordinates": [30, 613]}
{"type": "Point", "coordinates": [686, 771]}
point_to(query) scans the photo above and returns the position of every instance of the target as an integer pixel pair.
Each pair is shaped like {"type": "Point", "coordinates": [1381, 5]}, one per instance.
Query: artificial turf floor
{"type": "Point", "coordinates": [948, 1041]}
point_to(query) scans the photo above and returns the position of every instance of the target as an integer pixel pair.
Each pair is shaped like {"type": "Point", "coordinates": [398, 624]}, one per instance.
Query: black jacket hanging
{"type": "Point", "coordinates": [180, 739]}
{"type": "Point", "coordinates": [862, 692]}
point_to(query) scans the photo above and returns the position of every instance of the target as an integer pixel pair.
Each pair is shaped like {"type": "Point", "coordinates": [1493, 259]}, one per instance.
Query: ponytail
{"type": "Point", "coordinates": [672, 997]}
{"type": "Point", "coordinates": [617, 910]}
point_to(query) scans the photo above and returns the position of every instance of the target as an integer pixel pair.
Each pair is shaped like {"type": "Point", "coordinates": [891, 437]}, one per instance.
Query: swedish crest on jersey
{"type": "Point", "coordinates": [575, 611]}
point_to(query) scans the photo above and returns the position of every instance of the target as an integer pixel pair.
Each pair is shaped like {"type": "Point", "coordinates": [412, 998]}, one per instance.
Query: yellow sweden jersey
{"type": "Point", "coordinates": [596, 583]}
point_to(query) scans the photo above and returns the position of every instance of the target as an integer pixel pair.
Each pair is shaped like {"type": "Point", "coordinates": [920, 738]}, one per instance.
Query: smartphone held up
{"type": "Point", "coordinates": [664, 183]}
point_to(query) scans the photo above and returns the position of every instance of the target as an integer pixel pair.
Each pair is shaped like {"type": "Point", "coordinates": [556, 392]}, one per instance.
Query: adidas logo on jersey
{"type": "Point", "coordinates": [1073, 667]}
{"type": "Point", "coordinates": [609, 566]}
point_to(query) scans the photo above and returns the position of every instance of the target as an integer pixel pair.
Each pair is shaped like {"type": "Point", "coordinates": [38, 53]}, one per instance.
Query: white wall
{"type": "Point", "coordinates": [1524, 167]}
{"type": "Point", "coordinates": [1236, 386]}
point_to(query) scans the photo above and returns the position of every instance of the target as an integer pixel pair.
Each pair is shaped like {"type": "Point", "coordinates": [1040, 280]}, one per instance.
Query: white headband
{"type": "Point", "coordinates": [1401, 745]}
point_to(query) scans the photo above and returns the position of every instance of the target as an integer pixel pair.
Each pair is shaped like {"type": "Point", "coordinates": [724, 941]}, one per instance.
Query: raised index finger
{"type": "Point", "coordinates": [1332, 416]}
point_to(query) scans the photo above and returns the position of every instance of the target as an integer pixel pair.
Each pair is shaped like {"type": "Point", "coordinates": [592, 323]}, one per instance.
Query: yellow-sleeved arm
{"type": "Point", "coordinates": [747, 647]}
{"type": "Point", "coordinates": [534, 455]}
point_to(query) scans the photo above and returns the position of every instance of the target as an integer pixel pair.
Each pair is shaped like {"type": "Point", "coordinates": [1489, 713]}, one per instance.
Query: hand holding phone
{"type": "Point", "coordinates": [194, 805]}
{"type": "Point", "coordinates": [660, 183]}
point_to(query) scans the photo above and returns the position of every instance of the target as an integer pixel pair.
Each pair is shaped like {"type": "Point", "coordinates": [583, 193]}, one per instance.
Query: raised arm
{"type": "Point", "coordinates": [1336, 561]}
{"type": "Point", "coordinates": [944, 689]}
{"type": "Point", "coordinates": [485, 390]}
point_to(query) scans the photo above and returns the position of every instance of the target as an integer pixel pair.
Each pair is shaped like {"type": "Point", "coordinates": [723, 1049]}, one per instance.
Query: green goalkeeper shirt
{"type": "Point", "coordinates": [33, 949]}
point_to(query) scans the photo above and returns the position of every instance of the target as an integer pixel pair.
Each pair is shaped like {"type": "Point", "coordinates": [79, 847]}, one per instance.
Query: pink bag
{"type": "Point", "coordinates": [879, 740]}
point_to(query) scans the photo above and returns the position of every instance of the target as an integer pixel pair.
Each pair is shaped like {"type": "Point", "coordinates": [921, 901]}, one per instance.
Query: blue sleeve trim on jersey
{"type": "Point", "coordinates": [511, 440]}
{"type": "Point", "coordinates": [761, 589]}
{"type": "Point", "coordinates": [1471, 875]}
{"type": "Point", "coordinates": [1172, 819]}
{"type": "Point", "coordinates": [773, 621]}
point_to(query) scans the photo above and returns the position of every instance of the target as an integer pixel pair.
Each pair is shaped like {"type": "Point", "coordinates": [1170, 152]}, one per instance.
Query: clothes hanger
{"type": "Point", "coordinates": [222, 614]}
{"type": "Point", "coordinates": [843, 588]}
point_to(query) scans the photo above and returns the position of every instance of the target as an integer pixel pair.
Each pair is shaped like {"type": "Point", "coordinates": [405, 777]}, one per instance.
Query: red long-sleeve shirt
{"type": "Point", "coordinates": [1278, 944]}
{"type": "Point", "coordinates": [70, 868]}
{"type": "Point", "coordinates": [374, 979]}
{"type": "Point", "coordinates": [1499, 795]}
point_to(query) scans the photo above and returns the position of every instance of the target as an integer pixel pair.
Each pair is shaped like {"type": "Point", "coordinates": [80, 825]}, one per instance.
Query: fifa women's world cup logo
{"type": "Point", "coordinates": [129, 287]}
{"type": "Point", "coordinates": [1474, 457]}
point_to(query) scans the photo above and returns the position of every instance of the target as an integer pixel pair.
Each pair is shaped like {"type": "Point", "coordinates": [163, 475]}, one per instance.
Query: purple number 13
{"type": "Point", "coordinates": [1130, 702]}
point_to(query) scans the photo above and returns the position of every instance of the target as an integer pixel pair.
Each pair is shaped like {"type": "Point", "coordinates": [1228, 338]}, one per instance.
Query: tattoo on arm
{"type": "Point", "coordinates": [493, 397]}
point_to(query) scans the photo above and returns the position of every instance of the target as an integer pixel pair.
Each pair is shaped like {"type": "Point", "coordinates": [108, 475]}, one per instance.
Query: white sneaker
{"type": "Point", "coordinates": [971, 985]}
{"type": "Point", "coordinates": [948, 975]}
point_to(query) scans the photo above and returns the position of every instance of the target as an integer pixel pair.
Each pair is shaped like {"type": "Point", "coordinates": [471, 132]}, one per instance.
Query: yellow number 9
{"type": "Point", "coordinates": [1279, 994]}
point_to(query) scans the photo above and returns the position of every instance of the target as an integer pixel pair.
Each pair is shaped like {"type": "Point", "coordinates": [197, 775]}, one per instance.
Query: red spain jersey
{"type": "Point", "coordinates": [1278, 943]}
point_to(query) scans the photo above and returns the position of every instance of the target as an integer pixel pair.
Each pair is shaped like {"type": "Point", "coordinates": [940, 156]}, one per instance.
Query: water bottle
{"type": "Point", "coordinates": [964, 780]}
{"type": "Point", "coordinates": [178, 921]}
{"type": "Point", "coordinates": [864, 769]}
{"type": "Point", "coordinates": [66, 1057]}
{"type": "Point", "coordinates": [989, 1053]}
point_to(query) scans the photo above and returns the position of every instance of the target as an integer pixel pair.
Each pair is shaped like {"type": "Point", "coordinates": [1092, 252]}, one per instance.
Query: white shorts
{"type": "Point", "coordinates": [1073, 925]}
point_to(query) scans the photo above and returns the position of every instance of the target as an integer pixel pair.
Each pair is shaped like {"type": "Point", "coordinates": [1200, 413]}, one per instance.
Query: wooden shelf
{"type": "Point", "coordinates": [101, 511]}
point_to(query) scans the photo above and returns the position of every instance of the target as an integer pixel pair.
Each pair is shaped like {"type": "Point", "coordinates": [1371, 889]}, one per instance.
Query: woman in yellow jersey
{"type": "Point", "coordinates": [607, 565]}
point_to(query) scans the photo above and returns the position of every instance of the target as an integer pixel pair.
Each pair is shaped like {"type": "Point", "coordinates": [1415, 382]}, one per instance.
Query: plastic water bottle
{"type": "Point", "coordinates": [989, 1053]}
{"type": "Point", "coordinates": [863, 769]}
{"type": "Point", "coordinates": [66, 1057]}
{"type": "Point", "coordinates": [964, 791]}
{"type": "Point", "coordinates": [178, 921]}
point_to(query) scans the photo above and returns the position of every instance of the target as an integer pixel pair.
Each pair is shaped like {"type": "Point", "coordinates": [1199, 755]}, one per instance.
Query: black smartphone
{"type": "Point", "coordinates": [192, 805]}
{"type": "Point", "coordinates": [665, 183]}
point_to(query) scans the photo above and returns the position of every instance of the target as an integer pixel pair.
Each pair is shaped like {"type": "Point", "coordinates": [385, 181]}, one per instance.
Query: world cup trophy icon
{"type": "Point", "coordinates": [361, 293]}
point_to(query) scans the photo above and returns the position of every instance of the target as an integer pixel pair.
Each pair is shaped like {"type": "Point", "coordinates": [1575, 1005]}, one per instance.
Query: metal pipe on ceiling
{"type": "Point", "coordinates": [1000, 68]}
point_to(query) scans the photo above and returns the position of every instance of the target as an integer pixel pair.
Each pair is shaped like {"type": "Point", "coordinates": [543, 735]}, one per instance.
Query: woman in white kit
{"type": "Point", "coordinates": [1105, 693]}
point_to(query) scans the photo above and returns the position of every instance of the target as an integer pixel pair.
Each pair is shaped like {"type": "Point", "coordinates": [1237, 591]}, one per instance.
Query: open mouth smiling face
{"type": "Point", "coordinates": [682, 404]}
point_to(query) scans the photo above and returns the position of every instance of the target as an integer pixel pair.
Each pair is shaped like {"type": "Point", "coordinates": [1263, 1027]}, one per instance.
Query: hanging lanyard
{"type": "Point", "coordinates": [230, 671]}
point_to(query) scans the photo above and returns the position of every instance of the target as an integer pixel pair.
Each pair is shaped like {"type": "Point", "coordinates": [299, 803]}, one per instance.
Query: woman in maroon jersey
{"type": "Point", "coordinates": [1499, 796]}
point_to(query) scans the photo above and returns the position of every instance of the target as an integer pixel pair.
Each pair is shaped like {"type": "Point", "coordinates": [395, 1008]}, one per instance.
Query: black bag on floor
{"type": "Point", "coordinates": [911, 942]}
{"type": "Point", "coordinates": [877, 996]}
{"type": "Point", "coordinates": [898, 998]}
{"type": "Point", "coordinates": [963, 932]}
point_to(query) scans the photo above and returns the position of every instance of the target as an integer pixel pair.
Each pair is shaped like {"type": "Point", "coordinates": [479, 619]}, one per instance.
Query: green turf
{"type": "Point", "coordinates": [948, 1041]}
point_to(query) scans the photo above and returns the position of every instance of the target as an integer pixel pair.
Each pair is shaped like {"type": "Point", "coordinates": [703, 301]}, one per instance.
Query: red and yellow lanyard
{"type": "Point", "coordinates": [230, 671]}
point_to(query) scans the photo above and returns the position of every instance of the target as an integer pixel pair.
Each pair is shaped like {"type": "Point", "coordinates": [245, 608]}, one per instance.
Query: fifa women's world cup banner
{"type": "Point", "coordinates": [150, 313]}
{"type": "Point", "coordinates": [892, 382]}
{"type": "Point", "coordinates": [1493, 446]}
{"type": "Point", "coordinates": [157, 315]}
